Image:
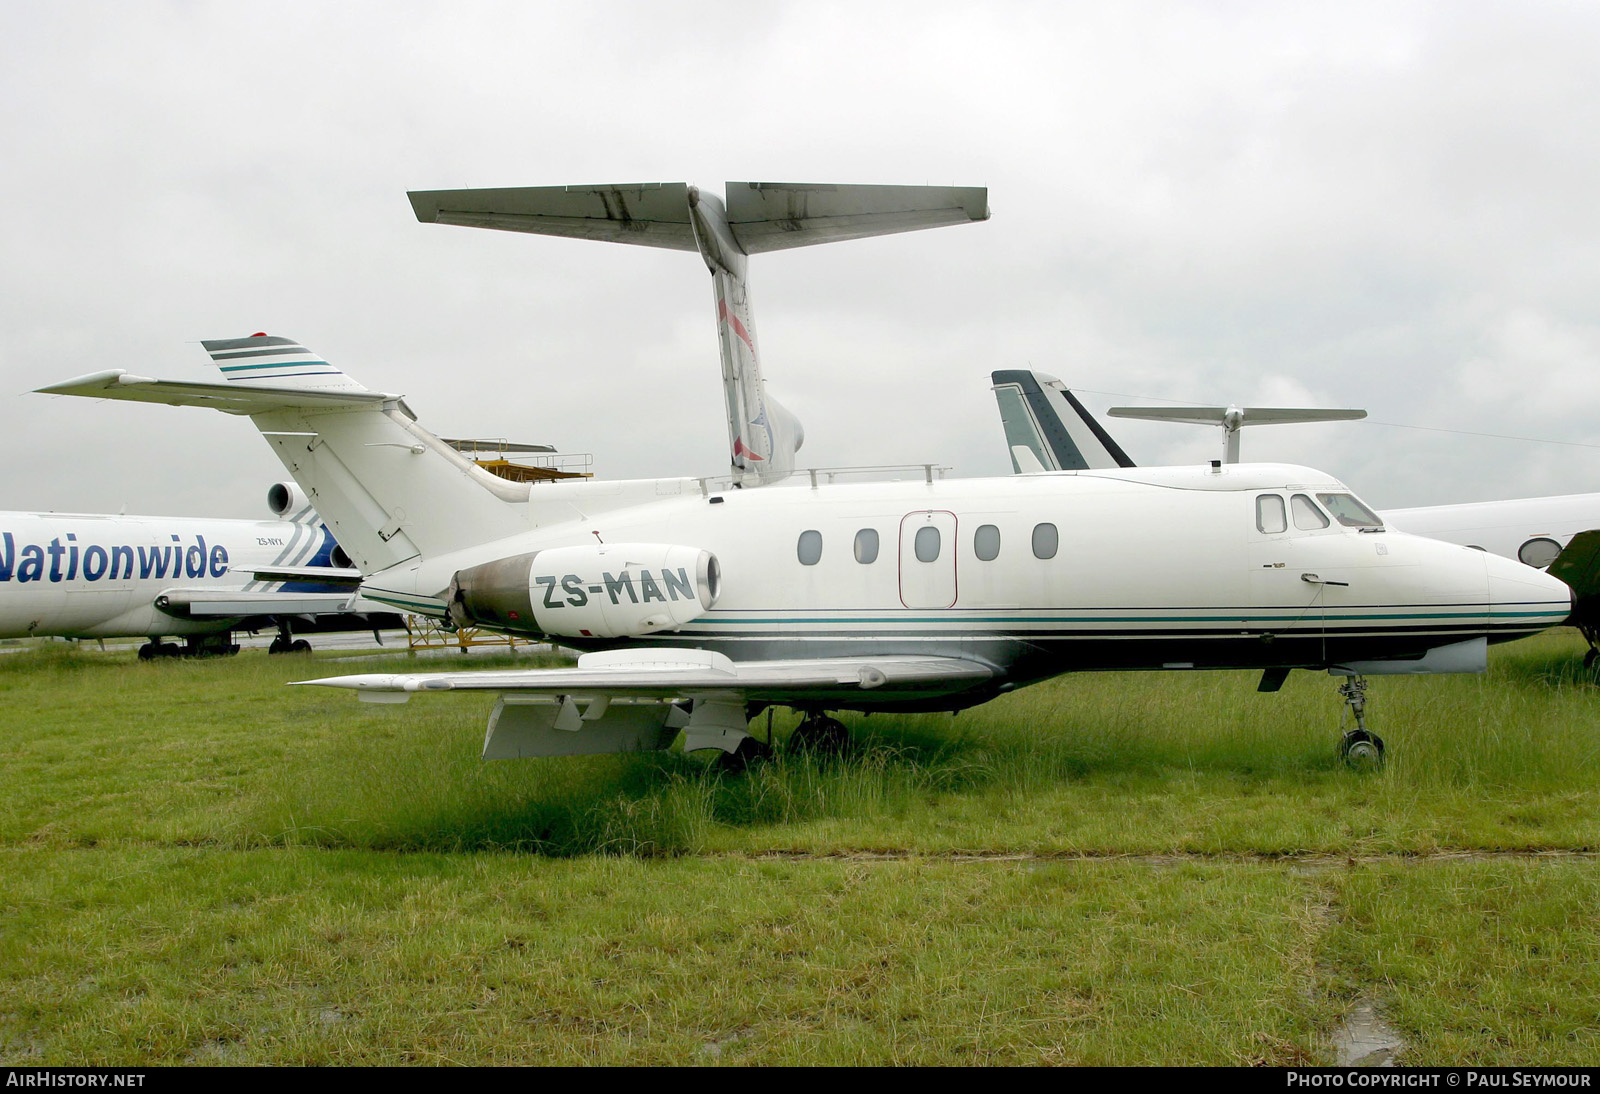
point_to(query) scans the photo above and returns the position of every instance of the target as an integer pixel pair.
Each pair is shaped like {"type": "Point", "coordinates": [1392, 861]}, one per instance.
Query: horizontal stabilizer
{"type": "Point", "coordinates": [776, 216]}
{"type": "Point", "coordinates": [763, 216]}
{"type": "Point", "coordinates": [651, 214]}
{"type": "Point", "coordinates": [228, 398]}
{"type": "Point", "coordinates": [1234, 418]}
{"type": "Point", "coordinates": [1250, 415]}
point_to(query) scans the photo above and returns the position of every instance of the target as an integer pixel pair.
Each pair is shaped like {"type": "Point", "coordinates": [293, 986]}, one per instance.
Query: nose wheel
{"type": "Point", "coordinates": [1360, 748]}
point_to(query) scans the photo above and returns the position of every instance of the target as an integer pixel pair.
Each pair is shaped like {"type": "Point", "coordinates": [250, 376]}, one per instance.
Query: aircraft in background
{"type": "Point", "coordinates": [1046, 426]}
{"type": "Point", "coordinates": [700, 603]}
{"type": "Point", "coordinates": [82, 575]}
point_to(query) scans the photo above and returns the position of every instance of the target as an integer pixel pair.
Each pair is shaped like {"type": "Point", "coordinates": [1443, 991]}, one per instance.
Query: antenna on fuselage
{"type": "Point", "coordinates": [1234, 418]}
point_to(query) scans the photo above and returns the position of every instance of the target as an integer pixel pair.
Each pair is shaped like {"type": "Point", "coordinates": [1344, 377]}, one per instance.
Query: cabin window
{"type": "Point", "coordinates": [810, 548]}
{"type": "Point", "coordinates": [1270, 516]}
{"type": "Point", "coordinates": [1307, 517]}
{"type": "Point", "coordinates": [986, 543]}
{"type": "Point", "coordinates": [1045, 540]}
{"type": "Point", "coordinates": [1538, 552]}
{"type": "Point", "coordinates": [927, 543]}
{"type": "Point", "coordinates": [1350, 512]}
{"type": "Point", "coordinates": [867, 546]}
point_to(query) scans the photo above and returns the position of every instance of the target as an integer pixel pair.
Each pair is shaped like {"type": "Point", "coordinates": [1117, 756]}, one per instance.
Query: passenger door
{"type": "Point", "coordinates": [928, 559]}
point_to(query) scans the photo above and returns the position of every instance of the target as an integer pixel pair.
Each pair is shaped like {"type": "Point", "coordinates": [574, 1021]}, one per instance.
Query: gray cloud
{"type": "Point", "coordinates": [1377, 205]}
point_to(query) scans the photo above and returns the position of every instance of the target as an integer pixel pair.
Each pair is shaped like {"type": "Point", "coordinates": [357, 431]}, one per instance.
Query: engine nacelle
{"type": "Point", "coordinates": [613, 590]}
{"type": "Point", "coordinates": [287, 502]}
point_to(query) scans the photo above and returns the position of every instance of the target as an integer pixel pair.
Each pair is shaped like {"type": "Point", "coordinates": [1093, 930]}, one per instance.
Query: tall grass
{"type": "Point", "coordinates": [221, 753]}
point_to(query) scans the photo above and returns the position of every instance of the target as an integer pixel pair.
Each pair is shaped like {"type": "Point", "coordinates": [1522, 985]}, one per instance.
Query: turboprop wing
{"type": "Point", "coordinates": [755, 218]}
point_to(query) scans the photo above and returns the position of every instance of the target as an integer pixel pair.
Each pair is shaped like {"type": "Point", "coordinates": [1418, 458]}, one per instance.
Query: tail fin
{"type": "Point", "coordinates": [387, 489]}
{"type": "Point", "coordinates": [263, 360]}
{"type": "Point", "coordinates": [1047, 429]}
{"type": "Point", "coordinates": [757, 217]}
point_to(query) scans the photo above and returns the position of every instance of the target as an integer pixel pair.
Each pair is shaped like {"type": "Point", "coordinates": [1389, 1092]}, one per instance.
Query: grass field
{"type": "Point", "coordinates": [201, 865]}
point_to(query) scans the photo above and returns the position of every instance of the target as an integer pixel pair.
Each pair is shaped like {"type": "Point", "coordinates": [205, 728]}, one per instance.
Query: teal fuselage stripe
{"type": "Point", "coordinates": [1300, 617]}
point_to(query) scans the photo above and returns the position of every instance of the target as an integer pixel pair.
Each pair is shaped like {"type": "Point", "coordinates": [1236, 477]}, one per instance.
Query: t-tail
{"type": "Point", "coordinates": [388, 490]}
{"type": "Point", "coordinates": [763, 436]}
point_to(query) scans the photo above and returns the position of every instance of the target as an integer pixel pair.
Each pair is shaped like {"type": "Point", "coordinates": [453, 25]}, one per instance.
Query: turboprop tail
{"type": "Point", "coordinates": [756, 217]}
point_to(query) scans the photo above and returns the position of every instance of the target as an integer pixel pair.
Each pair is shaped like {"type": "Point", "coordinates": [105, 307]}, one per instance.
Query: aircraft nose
{"type": "Point", "coordinates": [1521, 594]}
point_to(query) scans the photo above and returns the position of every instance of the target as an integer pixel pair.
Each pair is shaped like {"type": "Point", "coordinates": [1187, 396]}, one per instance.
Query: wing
{"type": "Point", "coordinates": [639, 699]}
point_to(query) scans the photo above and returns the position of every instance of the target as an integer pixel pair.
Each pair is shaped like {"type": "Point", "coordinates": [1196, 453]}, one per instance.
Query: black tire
{"type": "Point", "coordinates": [750, 751]}
{"type": "Point", "coordinates": [1590, 656]}
{"type": "Point", "coordinates": [148, 652]}
{"type": "Point", "coordinates": [300, 646]}
{"type": "Point", "coordinates": [278, 646]}
{"type": "Point", "coordinates": [820, 737]}
{"type": "Point", "coordinates": [1361, 750]}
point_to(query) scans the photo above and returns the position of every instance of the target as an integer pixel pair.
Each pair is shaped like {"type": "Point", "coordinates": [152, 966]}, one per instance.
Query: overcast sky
{"type": "Point", "coordinates": [1393, 206]}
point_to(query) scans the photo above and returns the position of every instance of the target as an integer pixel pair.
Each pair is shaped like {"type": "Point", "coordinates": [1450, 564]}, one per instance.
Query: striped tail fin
{"type": "Point", "coordinates": [265, 360]}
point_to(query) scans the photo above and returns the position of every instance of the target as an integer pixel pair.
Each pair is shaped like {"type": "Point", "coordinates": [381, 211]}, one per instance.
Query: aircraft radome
{"type": "Point", "coordinates": [83, 575]}
{"type": "Point", "coordinates": [700, 603]}
{"type": "Point", "coordinates": [1047, 427]}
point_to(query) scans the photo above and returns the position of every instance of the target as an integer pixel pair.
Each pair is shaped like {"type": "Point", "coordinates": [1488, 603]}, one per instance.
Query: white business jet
{"type": "Point", "coordinates": [701, 603]}
{"type": "Point", "coordinates": [82, 575]}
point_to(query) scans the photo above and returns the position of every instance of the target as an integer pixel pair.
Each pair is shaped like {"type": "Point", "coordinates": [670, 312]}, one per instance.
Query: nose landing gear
{"type": "Point", "coordinates": [1360, 748]}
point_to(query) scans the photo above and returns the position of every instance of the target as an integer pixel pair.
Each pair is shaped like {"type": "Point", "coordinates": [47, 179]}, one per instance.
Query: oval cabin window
{"type": "Point", "coordinates": [867, 546]}
{"type": "Point", "coordinates": [810, 548]}
{"type": "Point", "coordinates": [986, 543]}
{"type": "Point", "coordinates": [927, 544]}
{"type": "Point", "coordinates": [1045, 540]}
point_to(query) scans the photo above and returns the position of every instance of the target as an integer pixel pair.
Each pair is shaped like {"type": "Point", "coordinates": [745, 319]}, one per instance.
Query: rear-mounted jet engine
{"type": "Point", "coordinates": [614, 590]}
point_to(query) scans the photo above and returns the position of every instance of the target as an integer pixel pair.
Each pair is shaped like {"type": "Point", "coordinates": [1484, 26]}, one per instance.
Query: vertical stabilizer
{"type": "Point", "coordinates": [387, 489]}
{"type": "Point", "coordinates": [265, 360]}
{"type": "Point", "coordinates": [757, 217]}
{"type": "Point", "coordinates": [1048, 429]}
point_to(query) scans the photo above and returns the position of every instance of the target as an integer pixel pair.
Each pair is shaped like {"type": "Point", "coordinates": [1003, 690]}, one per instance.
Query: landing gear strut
{"type": "Point", "coordinates": [286, 642]}
{"type": "Point", "coordinates": [820, 736]}
{"type": "Point", "coordinates": [1360, 748]}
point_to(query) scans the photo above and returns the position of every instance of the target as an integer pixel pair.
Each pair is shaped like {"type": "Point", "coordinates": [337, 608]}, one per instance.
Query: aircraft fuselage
{"type": "Point", "coordinates": [98, 576]}
{"type": "Point", "coordinates": [1035, 575]}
